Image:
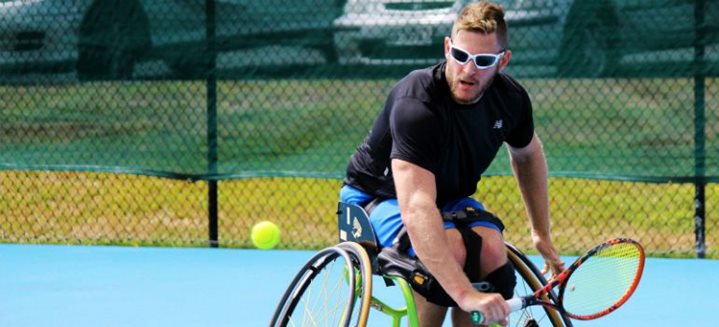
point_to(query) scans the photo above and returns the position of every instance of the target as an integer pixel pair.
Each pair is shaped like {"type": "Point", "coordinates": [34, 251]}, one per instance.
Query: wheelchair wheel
{"type": "Point", "coordinates": [332, 289]}
{"type": "Point", "coordinates": [362, 265]}
{"type": "Point", "coordinates": [529, 280]}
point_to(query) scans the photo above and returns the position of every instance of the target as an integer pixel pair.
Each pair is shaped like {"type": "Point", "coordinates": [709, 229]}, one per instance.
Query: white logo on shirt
{"type": "Point", "coordinates": [497, 124]}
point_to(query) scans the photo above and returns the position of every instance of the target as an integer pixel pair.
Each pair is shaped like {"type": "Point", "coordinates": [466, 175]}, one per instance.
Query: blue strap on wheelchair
{"type": "Point", "coordinates": [469, 215]}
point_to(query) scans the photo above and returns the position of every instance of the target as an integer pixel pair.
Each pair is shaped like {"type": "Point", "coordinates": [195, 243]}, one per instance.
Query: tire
{"type": "Point", "coordinates": [329, 51]}
{"type": "Point", "coordinates": [191, 66]}
{"type": "Point", "coordinates": [114, 35]}
{"type": "Point", "coordinates": [363, 267]}
{"type": "Point", "coordinates": [529, 280]}
{"type": "Point", "coordinates": [333, 288]}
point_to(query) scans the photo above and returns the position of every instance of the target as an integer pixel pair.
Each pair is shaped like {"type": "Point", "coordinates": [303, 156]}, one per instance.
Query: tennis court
{"type": "Point", "coordinates": [42, 285]}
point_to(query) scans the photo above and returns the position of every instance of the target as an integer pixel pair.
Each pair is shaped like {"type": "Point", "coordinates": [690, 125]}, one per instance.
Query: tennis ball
{"type": "Point", "coordinates": [265, 235]}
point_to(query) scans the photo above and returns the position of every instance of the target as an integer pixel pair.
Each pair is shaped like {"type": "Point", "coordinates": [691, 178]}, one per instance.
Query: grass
{"type": "Point", "coordinates": [633, 130]}
{"type": "Point", "coordinates": [102, 208]}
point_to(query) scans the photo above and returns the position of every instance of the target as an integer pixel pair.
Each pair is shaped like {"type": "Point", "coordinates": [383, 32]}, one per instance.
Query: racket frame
{"type": "Point", "coordinates": [560, 282]}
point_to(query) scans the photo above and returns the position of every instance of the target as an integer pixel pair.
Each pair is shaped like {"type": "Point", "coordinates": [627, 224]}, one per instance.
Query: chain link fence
{"type": "Point", "coordinates": [185, 122]}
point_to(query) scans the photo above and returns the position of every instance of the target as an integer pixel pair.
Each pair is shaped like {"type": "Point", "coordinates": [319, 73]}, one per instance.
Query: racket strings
{"type": "Point", "coordinates": [604, 281]}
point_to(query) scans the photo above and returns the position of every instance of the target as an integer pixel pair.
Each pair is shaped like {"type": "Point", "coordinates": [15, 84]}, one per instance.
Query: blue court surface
{"type": "Point", "coordinates": [127, 286]}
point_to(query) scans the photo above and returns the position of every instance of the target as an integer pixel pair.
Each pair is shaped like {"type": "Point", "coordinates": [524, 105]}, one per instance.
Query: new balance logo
{"type": "Point", "coordinates": [497, 124]}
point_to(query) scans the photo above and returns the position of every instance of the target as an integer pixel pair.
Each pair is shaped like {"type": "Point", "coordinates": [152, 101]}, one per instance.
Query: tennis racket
{"type": "Point", "coordinates": [593, 286]}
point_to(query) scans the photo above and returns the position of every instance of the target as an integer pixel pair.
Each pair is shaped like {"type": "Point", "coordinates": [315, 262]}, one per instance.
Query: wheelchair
{"type": "Point", "coordinates": [335, 286]}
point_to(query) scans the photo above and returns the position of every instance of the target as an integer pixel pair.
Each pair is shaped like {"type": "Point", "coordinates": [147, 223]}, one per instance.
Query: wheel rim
{"type": "Point", "coordinates": [322, 294]}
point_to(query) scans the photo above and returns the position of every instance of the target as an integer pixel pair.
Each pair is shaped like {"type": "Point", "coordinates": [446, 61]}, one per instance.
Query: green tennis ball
{"type": "Point", "coordinates": [265, 235]}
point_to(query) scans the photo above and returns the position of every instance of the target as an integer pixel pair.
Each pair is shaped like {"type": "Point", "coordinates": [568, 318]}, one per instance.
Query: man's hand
{"type": "Point", "coordinates": [553, 265]}
{"type": "Point", "coordinates": [553, 268]}
{"type": "Point", "coordinates": [491, 305]}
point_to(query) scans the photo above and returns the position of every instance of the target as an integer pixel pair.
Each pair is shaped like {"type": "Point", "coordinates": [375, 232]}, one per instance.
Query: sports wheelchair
{"type": "Point", "coordinates": [335, 286]}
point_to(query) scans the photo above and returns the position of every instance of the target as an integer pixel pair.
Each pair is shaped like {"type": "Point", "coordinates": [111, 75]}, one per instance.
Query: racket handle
{"type": "Point", "coordinates": [515, 304]}
{"type": "Point", "coordinates": [477, 317]}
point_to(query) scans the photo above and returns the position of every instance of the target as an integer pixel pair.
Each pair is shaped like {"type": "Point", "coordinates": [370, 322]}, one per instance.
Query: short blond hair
{"type": "Point", "coordinates": [485, 17]}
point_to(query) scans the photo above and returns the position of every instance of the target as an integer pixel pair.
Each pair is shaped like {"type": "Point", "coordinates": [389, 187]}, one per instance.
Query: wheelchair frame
{"type": "Point", "coordinates": [357, 252]}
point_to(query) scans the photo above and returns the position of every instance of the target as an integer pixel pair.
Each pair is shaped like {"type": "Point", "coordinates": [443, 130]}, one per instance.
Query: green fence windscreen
{"type": "Point", "coordinates": [119, 117]}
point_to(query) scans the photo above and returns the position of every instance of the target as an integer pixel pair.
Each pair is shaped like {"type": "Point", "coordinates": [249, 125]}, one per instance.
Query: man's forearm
{"type": "Point", "coordinates": [532, 180]}
{"type": "Point", "coordinates": [416, 194]}
{"type": "Point", "coordinates": [530, 169]}
{"type": "Point", "coordinates": [430, 242]}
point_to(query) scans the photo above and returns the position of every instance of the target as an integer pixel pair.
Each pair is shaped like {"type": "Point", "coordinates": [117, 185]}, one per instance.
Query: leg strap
{"type": "Point", "coordinates": [473, 246]}
{"type": "Point", "coordinates": [469, 215]}
{"type": "Point", "coordinates": [502, 280]}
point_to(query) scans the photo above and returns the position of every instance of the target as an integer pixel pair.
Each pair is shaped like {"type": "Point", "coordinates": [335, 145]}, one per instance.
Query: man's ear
{"type": "Point", "coordinates": [505, 59]}
{"type": "Point", "coordinates": [447, 40]}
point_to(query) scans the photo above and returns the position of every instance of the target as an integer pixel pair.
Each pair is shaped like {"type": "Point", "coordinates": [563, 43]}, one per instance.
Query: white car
{"type": "Point", "coordinates": [106, 38]}
{"type": "Point", "coordinates": [547, 37]}
{"type": "Point", "coordinates": [386, 32]}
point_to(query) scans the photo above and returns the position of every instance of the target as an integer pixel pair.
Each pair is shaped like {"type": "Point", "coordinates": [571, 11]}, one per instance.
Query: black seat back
{"type": "Point", "coordinates": [354, 225]}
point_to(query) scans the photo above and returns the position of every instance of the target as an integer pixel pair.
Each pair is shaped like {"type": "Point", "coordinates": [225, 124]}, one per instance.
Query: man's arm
{"type": "Point", "coordinates": [530, 169]}
{"type": "Point", "coordinates": [416, 194]}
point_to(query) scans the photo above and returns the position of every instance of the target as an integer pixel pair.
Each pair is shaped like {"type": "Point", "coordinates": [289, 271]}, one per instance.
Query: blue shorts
{"type": "Point", "coordinates": [387, 222]}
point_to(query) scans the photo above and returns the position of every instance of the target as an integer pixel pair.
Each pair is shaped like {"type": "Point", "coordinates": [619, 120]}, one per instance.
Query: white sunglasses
{"type": "Point", "coordinates": [481, 60]}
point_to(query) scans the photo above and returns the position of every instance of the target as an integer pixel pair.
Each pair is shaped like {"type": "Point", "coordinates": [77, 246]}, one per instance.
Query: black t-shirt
{"type": "Point", "coordinates": [421, 123]}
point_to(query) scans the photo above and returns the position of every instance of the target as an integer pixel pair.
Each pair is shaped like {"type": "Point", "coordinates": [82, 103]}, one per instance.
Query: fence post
{"type": "Point", "coordinates": [212, 156]}
{"type": "Point", "coordinates": [699, 130]}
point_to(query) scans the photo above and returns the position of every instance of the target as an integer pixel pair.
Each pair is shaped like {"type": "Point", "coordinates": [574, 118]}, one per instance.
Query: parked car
{"type": "Point", "coordinates": [107, 38]}
{"type": "Point", "coordinates": [568, 37]}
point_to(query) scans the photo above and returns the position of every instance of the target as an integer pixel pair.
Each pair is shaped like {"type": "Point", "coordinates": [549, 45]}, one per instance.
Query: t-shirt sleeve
{"type": "Point", "coordinates": [415, 133]}
{"type": "Point", "coordinates": [523, 132]}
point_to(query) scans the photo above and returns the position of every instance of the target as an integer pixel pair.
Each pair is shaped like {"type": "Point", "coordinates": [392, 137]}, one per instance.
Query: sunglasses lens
{"type": "Point", "coordinates": [459, 55]}
{"type": "Point", "coordinates": [484, 61]}
{"type": "Point", "coordinates": [481, 61]}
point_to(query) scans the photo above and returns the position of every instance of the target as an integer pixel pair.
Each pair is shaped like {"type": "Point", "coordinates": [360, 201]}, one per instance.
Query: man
{"type": "Point", "coordinates": [439, 130]}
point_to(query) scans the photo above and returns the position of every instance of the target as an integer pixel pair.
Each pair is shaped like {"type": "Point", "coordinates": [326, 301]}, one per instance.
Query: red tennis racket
{"type": "Point", "coordinates": [593, 286]}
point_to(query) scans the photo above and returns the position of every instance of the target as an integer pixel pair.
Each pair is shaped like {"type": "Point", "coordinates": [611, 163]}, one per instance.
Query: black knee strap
{"type": "Point", "coordinates": [473, 246]}
{"type": "Point", "coordinates": [502, 280]}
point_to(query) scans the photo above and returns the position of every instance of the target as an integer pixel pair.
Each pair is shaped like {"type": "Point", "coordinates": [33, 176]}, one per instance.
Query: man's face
{"type": "Point", "coordinates": [466, 81]}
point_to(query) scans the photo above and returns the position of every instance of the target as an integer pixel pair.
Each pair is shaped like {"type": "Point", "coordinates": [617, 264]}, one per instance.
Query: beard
{"type": "Point", "coordinates": [469, 90]}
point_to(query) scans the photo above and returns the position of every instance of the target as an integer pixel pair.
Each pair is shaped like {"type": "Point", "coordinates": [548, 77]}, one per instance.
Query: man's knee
{"type": "Point", "coordinates": [485, 252]}
{"type": "Point", "coordinates": [496, 273]}
{"type": "Point", "coordinates": [486, 248]}
{"type": "Point", "coordinates": [493, 252]}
